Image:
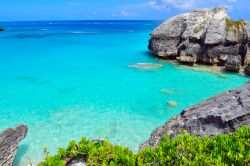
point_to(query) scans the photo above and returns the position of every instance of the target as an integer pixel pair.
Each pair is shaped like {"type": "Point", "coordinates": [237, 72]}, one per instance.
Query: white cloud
{"type": "Point", "coordinates": [186, 4]}
{"type": "Point", "coordinates": [124, 13]}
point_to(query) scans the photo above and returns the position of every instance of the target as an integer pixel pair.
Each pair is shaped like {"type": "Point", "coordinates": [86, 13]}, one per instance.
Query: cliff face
{"type": "Point", "coordinates": [207, 36]}
{"type": "Point", "coordinates": [221, 114]}
{"type": "Point", "coordinates": [9, 140]}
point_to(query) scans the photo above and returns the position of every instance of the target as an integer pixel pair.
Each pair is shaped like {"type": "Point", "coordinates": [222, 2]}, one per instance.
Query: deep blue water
{"type": "Point", "coordinates": [68, 79]}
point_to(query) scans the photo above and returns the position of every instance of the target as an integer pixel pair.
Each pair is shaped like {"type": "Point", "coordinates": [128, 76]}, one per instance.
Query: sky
{"type": "Point", "coordinates": [30, 10]}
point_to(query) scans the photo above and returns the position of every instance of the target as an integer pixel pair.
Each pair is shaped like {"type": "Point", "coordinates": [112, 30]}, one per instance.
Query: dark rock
{"type": "Point", "coordinates": [1, 29]}
{"type": "Point", "coordinates": [233, 63]}
{"type": "Point", "coordinates": [188, 52]}
{"type": "Point", "coordinates": [247, 70]}
{"type": "Point", "coordinates": [9, 140]}
{"type": "Point", "coordinates": [221, 114]}
{"type": "Point", "coordinates": [207, 36]}
{"type": "Point", "coordinates": [221, 53]}
{"type": "Point", "coordinates": [77, 163]}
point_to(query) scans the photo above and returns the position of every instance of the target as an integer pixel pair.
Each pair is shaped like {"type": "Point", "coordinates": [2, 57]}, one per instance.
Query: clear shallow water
{"type": "Point", "coordinates": [71, 79]}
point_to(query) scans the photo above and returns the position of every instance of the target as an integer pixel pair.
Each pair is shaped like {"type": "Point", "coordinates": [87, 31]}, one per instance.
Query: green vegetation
{"type": "Point", "coordinates": [238, 24]}
{"type": "Point", "coordinates": [229, 149]}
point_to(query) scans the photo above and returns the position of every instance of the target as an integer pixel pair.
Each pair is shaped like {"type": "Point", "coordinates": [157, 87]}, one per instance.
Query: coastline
{"type": "Point", "coordinates": [69, 90]}
{"type": "Point", "coordinates": [220, 114]}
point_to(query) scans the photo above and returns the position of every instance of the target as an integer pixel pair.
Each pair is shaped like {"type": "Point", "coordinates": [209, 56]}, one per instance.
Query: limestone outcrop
{"type": "Point", "coordinates": [220, 114]}
{"type": "Point", "coordinates": [9, 140]}
{"type": "Point", "coordinates": [206, 36]}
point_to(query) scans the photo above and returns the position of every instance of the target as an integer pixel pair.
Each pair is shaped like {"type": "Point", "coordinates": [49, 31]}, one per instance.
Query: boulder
{"type": "Point", "coordinates": [9, 140]}
{"type": "Point", "coordinates": [233, 63]}
{"type": "Point", "coordinates": [207, 36]}
{"type": "Point", "coordinates": [165, 39]}
{"type": "Point", "coordinates": [218, 115]}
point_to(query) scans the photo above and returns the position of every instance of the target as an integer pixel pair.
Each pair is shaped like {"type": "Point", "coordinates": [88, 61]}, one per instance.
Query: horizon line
{"type": "Point", "coordinates": [81, 20]}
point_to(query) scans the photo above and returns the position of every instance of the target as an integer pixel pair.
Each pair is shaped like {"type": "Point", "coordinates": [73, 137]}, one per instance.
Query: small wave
{"type": "Point", "coordinates": [80, 32]}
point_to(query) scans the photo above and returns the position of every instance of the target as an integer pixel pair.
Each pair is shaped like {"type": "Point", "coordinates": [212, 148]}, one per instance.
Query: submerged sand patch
{"type": "Point", "coordinates": [200, 68]}
{"type": "Point", "coordinates": [146, 66]}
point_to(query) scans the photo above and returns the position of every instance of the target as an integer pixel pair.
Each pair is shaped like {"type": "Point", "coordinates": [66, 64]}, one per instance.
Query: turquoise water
{"type": "Point", "coordinates": [71, 79]}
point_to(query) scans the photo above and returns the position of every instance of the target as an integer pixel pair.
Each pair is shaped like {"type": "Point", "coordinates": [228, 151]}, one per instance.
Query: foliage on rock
{"type": "Point", "coordinates": [238, 24]}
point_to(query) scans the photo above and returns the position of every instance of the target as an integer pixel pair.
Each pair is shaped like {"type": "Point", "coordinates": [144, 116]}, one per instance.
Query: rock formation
{"type": "Point", "coordinates": [9, 140]}
{"type": "Point", "coordinates": [247, 69]}
{"type": "Point", "coordinates": [207, 36]}
{"type": "Point", "coordinates": [221, 114]}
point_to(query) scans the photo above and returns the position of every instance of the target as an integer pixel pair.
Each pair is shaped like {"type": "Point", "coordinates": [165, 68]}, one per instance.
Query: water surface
{"type": "Point", "coordinates": [71, 79]}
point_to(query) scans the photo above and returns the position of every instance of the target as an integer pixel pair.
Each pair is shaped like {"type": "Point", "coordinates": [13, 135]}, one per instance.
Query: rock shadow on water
{"type": "Point", "coordinates": [22, 150]}
{"type": "Point", "coordinates": [32, 80]}
{"type": "Point", "coordinates": [149, 54]}
{"type": "Point", "coordinates": [29, 79]}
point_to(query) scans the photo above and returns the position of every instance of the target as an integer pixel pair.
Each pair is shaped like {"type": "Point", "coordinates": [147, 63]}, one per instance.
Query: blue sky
{"type": "Point", "coordinates": [22, 10]}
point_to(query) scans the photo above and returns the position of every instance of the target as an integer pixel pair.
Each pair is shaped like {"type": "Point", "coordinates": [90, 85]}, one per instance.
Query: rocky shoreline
{"type": "Point", "coordinates": [204, 36]}
{"type": "Point", "coordinates": [9, 140]}
{"type": "Point", "coordinates": [210, 37]}
{"type": "Point", "coordinates": [221, 114]}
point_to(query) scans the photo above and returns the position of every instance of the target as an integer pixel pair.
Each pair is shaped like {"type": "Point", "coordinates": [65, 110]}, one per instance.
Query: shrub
{"type": "Point", "coordinates": [228, 149]}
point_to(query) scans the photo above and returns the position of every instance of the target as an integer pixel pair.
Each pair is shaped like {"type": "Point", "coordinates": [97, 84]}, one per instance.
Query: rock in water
{"type": "Point", "coordinates": [9, 140]}
{"type": "Point", "coordinates": [233, 63]}
{"type": "Point", "coordinates": [172, 104]}
{"type": "Point", "coordinates": [221, 114]}
{"type": "Point", "coordinates": [1, 29]}
{"type": "Point", "coordinates": [207, 36]}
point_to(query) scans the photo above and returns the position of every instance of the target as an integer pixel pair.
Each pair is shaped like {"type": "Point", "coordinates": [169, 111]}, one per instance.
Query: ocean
{"type": "Point", "coordinates": [69, 79]}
